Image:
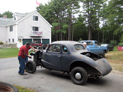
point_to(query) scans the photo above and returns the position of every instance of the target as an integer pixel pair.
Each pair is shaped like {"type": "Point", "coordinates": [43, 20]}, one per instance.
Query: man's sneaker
{"type": "Point", "coordinates": [23, 74]}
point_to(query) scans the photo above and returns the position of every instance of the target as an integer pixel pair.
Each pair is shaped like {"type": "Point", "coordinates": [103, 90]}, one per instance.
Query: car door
{"type": "Point", "coordinates": [66, 58]}
{"type": "Point", "coordinates": [92, 47]}
{"type": "Point", "coordinates": [53, 57]}
{"type": "Point", "coordinates": [97, 48]}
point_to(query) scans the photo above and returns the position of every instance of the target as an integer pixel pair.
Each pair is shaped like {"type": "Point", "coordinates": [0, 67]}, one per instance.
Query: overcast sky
{"type": "Point", "coordinates": [21, 6]}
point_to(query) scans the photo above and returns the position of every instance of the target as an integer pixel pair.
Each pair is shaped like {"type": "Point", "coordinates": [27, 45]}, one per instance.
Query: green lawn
{"type": "Point", "coordinates": [9, 52]}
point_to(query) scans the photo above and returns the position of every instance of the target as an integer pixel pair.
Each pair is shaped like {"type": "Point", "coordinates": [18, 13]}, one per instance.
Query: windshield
{"type": "Point", "coordinates": [79, 47]}
{"type": "Point", "coordinates": [89, 43]}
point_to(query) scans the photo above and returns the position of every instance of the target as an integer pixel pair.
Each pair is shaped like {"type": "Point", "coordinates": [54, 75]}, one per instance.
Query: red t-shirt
{"type": "Point", "coordinates": [22, 50]}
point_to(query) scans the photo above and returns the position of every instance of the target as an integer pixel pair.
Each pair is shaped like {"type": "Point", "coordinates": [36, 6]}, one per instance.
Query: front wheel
{"type": "Point", "coordinates": [79, 75]}
{"type": "Point", "coordinates": [30, 67]}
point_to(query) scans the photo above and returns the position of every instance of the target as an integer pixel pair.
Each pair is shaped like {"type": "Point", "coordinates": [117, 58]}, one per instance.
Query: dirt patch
{"type": "Point", "coordinates": [117, 72]}
{"type": "Point", "coordinates": [115, 58]}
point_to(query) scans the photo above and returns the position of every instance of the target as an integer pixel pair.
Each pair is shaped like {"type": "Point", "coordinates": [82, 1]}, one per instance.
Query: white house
{"type": "Point", "coordinates": [22, 28]}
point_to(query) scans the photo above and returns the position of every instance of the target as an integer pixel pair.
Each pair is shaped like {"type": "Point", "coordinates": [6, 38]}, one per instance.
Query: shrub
{"type": "Point", "coordinates": [121, 40]}
{"type": "Point", "coordinates": [113, 42]}
{"type": "Point", "coordinates": [121, 43]}
{"type": "Point", "coordinates": [1, 42]}
{"type": "Point", "coordinates": [80, 39]}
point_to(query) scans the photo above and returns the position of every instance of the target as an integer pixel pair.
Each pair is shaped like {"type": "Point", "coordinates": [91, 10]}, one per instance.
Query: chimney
{"type": "Point", "coordinates": [4, 16]}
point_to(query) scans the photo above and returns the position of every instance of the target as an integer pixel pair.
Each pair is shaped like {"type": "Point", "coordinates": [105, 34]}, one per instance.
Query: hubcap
{"type": "Point", "coordinates": [78, 76]}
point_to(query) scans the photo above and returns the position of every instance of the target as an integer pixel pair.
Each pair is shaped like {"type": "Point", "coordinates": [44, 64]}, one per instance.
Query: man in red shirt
{"type": "Point", "coordinates": [23, 57]}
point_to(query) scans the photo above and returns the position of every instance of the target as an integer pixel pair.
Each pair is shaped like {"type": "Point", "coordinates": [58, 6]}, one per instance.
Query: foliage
{"type": "Point", "coordinates": [121, 43]}
{"type": "Point", "coordinates": [121, 40]}
{"type": "Point", "coordinates": [91, 15]}
{"type": "Point", "coordinates": [80, 30]}
{"type": "Point", "coordinates": [80, 39]}
{"type": "Point", "coordinates": [99, 19]}
{"type": "Point", "coordinates": [60, 14]}
{"type": "Point", "coordinates": [8, 13]}
{"type": "Point", "coordinates": [113, 42]}
{"type": "Point", "coordinates": [1, 42]}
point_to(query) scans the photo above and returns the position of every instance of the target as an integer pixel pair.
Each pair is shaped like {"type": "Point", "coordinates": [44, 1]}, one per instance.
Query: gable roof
{"type": "Point", "coordinates": [10, 21]}
{"type": "Point", "coordinates": [5, 21]}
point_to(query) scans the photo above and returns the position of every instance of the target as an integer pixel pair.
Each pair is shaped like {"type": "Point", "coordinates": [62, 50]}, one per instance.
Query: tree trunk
{"type": "Point", "coordinates": [70, 25]}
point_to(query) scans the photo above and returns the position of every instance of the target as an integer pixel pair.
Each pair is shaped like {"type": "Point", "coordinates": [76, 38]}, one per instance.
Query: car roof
{"type": "Point", "coordinates": [87, 41]}
{"type": "Point", "coordinates": [65, 42]}
{"type": "Point", "coordinates": [68, 44]}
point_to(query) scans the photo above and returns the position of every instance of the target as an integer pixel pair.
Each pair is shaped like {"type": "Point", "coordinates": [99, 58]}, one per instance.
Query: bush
{"type": "Point", "coordinates": [80, 39]}
{"type": "Point", "coordinates": [121, 43]}
{"type": "Point", "coordinates": [121, 39]}
{"type": "Point", "coordinates": [1, 42]}
{"type": "Point", "coordinates": [113, 42]}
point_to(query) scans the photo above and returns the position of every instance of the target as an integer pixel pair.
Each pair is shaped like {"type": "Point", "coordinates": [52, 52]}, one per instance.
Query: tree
{"type": "Point", "coordinates": [80, 29]}
{"type": "Point", "coordinates": [91, 15]}
{"type": "Point", "coordinates": [59, 14]}
{"type": "Point", "coordinates": [8, 14]}
{"type": "Point", "coordinates": [115, 15]}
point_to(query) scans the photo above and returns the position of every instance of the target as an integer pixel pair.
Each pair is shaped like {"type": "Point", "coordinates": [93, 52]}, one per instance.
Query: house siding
{"type": "Point", "coordinates": [22, 29]}
{"type": "Point", "coordinates": [25, 28]}
{"type": "Point", "coordinates": [12, 34]}
{"type": "Point", "coordinates": [3, 34]}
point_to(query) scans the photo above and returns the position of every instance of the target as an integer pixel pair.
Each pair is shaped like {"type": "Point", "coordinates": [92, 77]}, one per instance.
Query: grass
{"type": "Point", "coordinates": [9, 52]}
{"type": "Point", "coordinates": [115, 58]}
{"type": "Point", "coordinates": [22, 89]}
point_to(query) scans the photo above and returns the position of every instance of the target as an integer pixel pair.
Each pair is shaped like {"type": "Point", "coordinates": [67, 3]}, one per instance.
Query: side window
{"type": "Point", "coordinates": [64, 49]}
{"type": "Point", "coordinates": [54, 48]}
{"type": "Point", "coordinates": [97, 44]}
{"type": "Point", "coordinates": [89, 43]}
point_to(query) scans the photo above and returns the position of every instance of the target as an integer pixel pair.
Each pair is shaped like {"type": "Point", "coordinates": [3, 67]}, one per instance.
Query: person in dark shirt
{"type": "Point", "coordinates": [23, 57]}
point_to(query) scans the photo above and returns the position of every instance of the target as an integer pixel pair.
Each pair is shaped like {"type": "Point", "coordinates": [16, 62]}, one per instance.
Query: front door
{"type": "Point", "coordinates": [53, 57]}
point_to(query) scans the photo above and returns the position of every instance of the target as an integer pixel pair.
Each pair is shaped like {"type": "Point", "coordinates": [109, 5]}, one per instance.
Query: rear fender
{"type": "Point", "coordinates": [90, 69]}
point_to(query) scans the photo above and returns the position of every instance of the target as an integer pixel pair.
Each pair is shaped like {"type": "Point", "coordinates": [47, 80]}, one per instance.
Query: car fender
{"type": "Point", "coordinates": [84, 59]}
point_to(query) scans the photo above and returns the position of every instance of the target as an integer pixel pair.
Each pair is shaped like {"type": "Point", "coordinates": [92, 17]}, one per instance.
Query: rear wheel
{"type": "Point", "coordinates": [79, 75]}
{"type": "Point", "coordinates": [30, 67]}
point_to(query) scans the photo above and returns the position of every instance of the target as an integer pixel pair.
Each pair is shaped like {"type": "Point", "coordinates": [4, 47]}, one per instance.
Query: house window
{"type": "Point", "coordinates": [9, 40]}
{"type": "Point", "coordinates": [11, 28]}
{"type": "Point", "coordinates": [35, 18]}
{"type": "Point", "coordinates": [12, 40]}
{"type": "Point", "coordinates": [35, 28]}
{"type": "Point", "coordinates": [14, 18]}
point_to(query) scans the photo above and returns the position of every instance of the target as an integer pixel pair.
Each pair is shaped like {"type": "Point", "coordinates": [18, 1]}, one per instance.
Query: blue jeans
{"type": "Point", "coordinates": [22, 62]}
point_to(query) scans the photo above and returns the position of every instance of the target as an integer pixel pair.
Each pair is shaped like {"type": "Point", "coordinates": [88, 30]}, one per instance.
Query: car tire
{"type": "Point", "coordinates": [30, 67]}
{"type": "Point", "coordinates": [79, 75]}
{"type": "Point", "coordinates": [5, 87]}
{"type": "Point", "coordinates": [103, 55]}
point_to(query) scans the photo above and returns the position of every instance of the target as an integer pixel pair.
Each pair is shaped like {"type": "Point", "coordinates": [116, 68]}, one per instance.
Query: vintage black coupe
{"type": "Point", "coordinates": [70, 57]}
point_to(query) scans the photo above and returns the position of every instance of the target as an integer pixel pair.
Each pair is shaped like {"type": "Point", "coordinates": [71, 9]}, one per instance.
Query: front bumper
{"type": "Point", "coordinates": [103, 66]}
